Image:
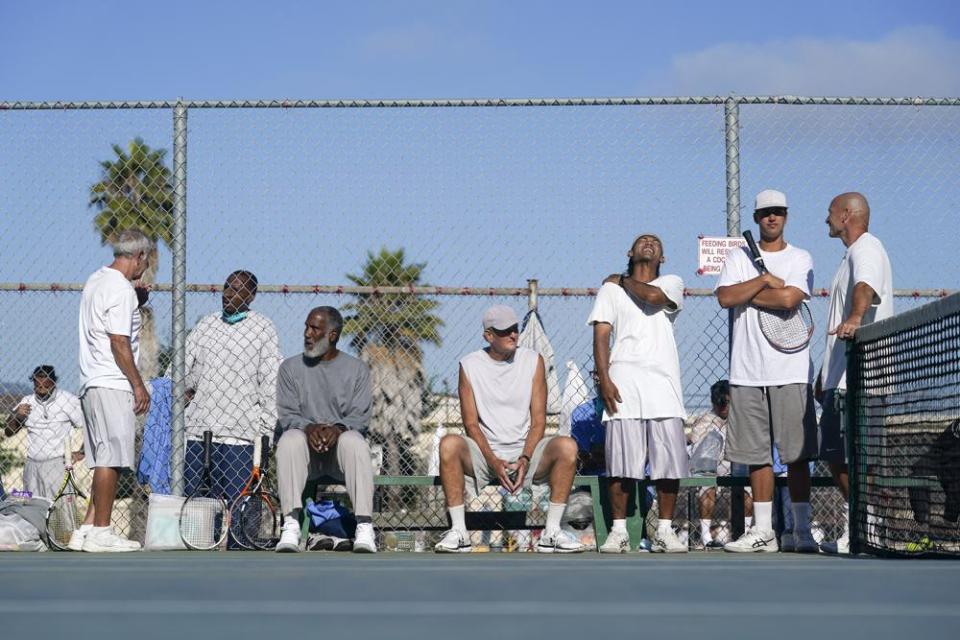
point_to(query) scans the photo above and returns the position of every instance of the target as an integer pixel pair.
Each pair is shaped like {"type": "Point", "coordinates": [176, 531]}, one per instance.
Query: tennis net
{"type": "Point", "coordinates": [904, 412]}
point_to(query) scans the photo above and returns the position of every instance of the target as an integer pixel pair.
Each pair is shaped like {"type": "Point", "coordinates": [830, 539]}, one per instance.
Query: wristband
{"type": "Point", "coordinates": [524, 456]}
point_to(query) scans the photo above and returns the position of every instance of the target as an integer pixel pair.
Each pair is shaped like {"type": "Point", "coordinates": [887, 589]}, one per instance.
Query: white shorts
{"type": "Point", "coordinates": [632, 443]}
{"type": "Point", "coordinates": [109, 437]}
{"type": "Point", "coordinates": [43, 477]}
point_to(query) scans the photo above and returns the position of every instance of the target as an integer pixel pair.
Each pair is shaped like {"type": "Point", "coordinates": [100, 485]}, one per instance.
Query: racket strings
{"type": "Point", "coordinates": [259, 520]}
{"type": "Point", "coordinates": [64, 517]}
{"type": "Point", "coordinates": [204, 522]}
{"type": "Point", "coordinates": [787, 330]}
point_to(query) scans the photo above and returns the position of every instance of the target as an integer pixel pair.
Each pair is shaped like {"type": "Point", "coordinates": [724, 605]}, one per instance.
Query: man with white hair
{"type": "Point", "coordinates": [861, 293]}
{"type": "Point", "coordinates": [112, 393]}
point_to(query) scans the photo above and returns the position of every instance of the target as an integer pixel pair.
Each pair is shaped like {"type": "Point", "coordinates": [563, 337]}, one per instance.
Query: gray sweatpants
{"type": "Point", "coordinates": [349, 462]}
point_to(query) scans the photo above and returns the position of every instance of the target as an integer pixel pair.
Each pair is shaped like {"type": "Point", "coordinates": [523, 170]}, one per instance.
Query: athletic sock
{"type": "Point", "coordinates": [664, 525]}
{"type": "Point", "coordinates": [619, 526]}
{"type": "Point", "coordinates": [457, 518]}
{"type": "Point", "coordinates": [846, 520]}
{"type": "Point", "coordinates": [747, 523]}
{"type": "Point", "coordinates": [763, 515]}
{"type": "Point", "coordinates": [86, 527]}
{"type": "Point", "coordinates": [801, 517]}
{"type": "Point", "coordinates": [555, 515]}
{"type": "Point", "coordinates": [705, 529]}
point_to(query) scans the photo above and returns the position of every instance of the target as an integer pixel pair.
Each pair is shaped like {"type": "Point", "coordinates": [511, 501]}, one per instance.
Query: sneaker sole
{"type": "Point", "coordinates": [287, 548]}
{"type": "Point", "coordinates": [363, 549]}
{"type": "Point", "coordinates": [752, 550]}
{"type": "Point", "coordinates": [558, 550]}
{"type": "Point", "coordinates": [467, 549]}
{"type": "Point", "coordinates": [655, 550]}
{"type": "Point", "coordinates": [614, 551]}
{"type": "Point", "coordinates": [95, 548]}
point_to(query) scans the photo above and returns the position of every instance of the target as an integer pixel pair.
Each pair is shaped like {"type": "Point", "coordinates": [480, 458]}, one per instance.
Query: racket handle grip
{"type": "Point", "coordinates": [754, 251]}
{"type": "Point", "coordinates": [264, 453]}
{"type": "Point", "coordinates": [207, 447]}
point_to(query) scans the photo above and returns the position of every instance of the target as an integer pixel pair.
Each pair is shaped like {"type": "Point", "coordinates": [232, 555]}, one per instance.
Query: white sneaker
{"type": "Point", "coordinates": [105, 540]}
{"type": "Point", "coordinates": [667, 541]}
{"type": "Point", "coordinates": [754, 541]}
{"type": "Point", "coordinates": [289, 537]}
{"type": "Point", "coordinates": [322, 542]}
{"type": "Point", "coordinates": [364, 540]}
{"type": "Point", "coordinates": [840, 546]}
{"type": "Point", "coordinates": [77, 539]}
{"type": "Point", "coordinates": [454, 541]}
{"type": "Point", "coordinates": [559, 541]}
{"type": "Point", "coordinates": [616, 542]}
{"type": "Point", "coordinates": [804, 542]}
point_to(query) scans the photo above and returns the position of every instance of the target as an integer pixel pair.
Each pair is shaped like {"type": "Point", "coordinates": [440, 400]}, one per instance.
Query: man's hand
{"type": "Point", "coordinates": [76, 456]}
{"type": "Point", "coordinates": [847, 328]}
{"type": "Point", "coordinates": [518, 471]}
{"type": "Point", "coordinates": [772, 281]}
{"type": "Point", "coordinates": [610, 394]}
{"type": "Point", "coordinates": [503, 469]}
{"type": "Point", "coordinates": [141, 400]}
{"type": "Point", "coordinates": [322, 437]}
{"type": "Point", "coordinates": [22, 411]}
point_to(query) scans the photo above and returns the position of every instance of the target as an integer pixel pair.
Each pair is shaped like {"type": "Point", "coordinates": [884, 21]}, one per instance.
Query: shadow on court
{"type": "Point", "coordinates": [470, 596]}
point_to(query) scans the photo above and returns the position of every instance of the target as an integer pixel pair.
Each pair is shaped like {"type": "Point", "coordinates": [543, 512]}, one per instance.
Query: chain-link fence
{"type": "Point", "coordinates": [412, 218]}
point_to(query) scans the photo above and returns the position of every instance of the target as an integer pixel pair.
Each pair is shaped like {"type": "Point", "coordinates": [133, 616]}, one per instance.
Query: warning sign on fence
{"type": "Point", "coordinates": [713, 251]}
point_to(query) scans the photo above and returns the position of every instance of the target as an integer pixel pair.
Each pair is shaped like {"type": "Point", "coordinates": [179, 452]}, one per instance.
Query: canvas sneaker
{"type": "Point", "coordinates": [78, 537]}
{"type": "Point", "coordinates": [289, 537]}
{"type": "Point", "coordinates": [106, 540]}
{"type": "Point", "coordinates": [754, 541]}
{"type": "Point", "coordinates": [454, 541]}
{"type": "Point", "coordinates": [839, 546]}
{"type": "Point", "coordinates": [364, 540]}
{"type": "Point", "coordinates": [559, 541]}
{"type": "Point", "coordinates": [667, 541]}
{"type": "Point", "coordinates": [616, 542]}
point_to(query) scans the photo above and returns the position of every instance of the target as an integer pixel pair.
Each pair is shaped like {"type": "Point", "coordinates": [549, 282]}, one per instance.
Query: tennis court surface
{"type": "Point", "coordinates": [154, 595]}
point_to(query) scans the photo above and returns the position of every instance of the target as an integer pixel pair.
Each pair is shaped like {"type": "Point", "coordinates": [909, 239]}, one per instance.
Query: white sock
{"type": "Point", "coordinates": [747, 523]}
{"type": "Point", "coordinates": [705, 529]}
{"type": "Point", "coordinates": [801, 517]}
{"type": "Point", "coordinates": [457, 518]}
{"type": "Point", "coordinates": [763, 515]}
{"type": "Point", "coordinates": [846, 520]}
{"type": "Point", "coordinates": [86, 527]}
{"type": "Point", "coordinates": [555, 515]}
{"type": "Point", "coordinates": [664, 525]}
{"type": "Point", "coordinates": [620, 526]}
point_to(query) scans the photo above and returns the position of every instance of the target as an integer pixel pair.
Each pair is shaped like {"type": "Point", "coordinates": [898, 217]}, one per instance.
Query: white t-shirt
{"type": "Point", "coordinates": [644, 364]}
{"type": "Point", "coordinates": [865, 261]}
{"type": "Point", "coordinates": [503, 390]}
{"type": "Point", "coordinates": [108, 305]}
{"type": "Point", "coordinates": [754, 362]}
{"type": "Point", "coordinates": [48, 424]}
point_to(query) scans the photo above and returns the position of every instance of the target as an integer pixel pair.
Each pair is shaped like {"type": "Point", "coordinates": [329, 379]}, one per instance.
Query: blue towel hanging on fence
{"type": "Point", "coordinates": [154, 467]}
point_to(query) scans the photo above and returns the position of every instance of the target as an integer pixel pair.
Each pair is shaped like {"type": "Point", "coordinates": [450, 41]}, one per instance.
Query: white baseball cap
{"type": "Point", "coordinates": [499, 317]}
{"type": "Point", "coordinates": [770, 198]}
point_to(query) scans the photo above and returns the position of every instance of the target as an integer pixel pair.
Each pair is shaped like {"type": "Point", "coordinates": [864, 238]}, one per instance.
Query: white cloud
{"type": "Point", "coordinates": [906, 62]}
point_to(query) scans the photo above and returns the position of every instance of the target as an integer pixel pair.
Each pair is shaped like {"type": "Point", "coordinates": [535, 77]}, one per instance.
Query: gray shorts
{"type": "Point", "coordinates": [763, 416]}
{"type": "Point", "coordinates": [111, 429]}
{"type": "Point", "coordinates": [483, 475]}
{"type": "Point", "coordinates": [833, 421]}
{"type": "Point", "coordinates": [630, 444]}
{"type": "Point", "coordinates": [43, 477]}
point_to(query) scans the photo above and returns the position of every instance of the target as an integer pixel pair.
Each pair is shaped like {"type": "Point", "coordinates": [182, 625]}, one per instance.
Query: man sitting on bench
{"type": "Point", "coordinates": [503, 394]}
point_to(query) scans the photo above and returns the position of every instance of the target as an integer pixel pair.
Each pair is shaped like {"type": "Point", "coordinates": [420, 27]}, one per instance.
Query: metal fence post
{"type": "Point", "coordinates": [731, 113]}
{"type": "Point", "coordinates": [179, 292]}
{"type": "Point", "coordinates": [532, 286]}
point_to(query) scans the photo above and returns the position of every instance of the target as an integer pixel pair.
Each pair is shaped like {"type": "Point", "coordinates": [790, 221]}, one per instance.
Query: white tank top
{"type": "Point", "coordinates": [502, 391]}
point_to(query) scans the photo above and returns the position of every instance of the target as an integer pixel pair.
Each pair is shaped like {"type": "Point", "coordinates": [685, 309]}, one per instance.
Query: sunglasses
{"type": "Point", "coordinates": [503, 333]}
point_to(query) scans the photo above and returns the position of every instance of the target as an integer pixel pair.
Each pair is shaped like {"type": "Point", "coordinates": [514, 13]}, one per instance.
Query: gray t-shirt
{"type": "Point", "coordinates": [326, 392]}
{"type": "Point", "coordinates": [502, 391]}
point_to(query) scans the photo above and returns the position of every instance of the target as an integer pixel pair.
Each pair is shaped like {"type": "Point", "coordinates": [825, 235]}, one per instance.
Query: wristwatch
{"type": "Point", "coordinates": [522, 456]}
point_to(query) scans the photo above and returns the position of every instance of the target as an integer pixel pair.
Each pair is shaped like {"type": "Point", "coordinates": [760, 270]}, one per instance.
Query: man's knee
{"type": "Point", "coordinates": [565, 450]}
{"type": "Point", "coordinates": [292, 442]}
{"type": "Point", "coordinates": [353, 442]}
{"type": "Point", "coordinates": [452, 448]}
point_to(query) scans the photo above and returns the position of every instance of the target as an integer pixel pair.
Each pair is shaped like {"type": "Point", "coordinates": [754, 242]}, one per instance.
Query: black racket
{"type": "Point", "coordinates": [254, 517]}
{"type": "Point", "coordinates": [204, 516]}
{"type": "Point", "coordinates": [68, 508]}
{"type": "Point", "coordinates": [789, 330]}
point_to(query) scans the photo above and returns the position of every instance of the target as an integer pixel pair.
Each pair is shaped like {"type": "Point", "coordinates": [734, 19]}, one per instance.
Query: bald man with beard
{"type": "Point", "coordinates": [861, 293]}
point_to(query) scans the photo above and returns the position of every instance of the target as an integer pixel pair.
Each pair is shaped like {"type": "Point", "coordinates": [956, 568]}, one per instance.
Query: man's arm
{"type": "Point", "coordinates": [16, 420]}
{"type": "Point", "coordinates": [647, 293]}
{"type": "Point", "coordinates": [538, 410]}
{"type": "Point", "coordinates": [471, 425]}
{"type": "Point", "coordinates": [863, 297]}
{"type": "Point", "coordinates": [735, 295]}
{"type": "Point", "coordinates": [123, 356]}
{"type": "Point", "coordinates": [267, 379]}
{"type": "Point", "coordinates": [785, 299]}
{"type": "Point", "coordinates": [288, 403]}
{"type": "Point", "coordinates": [601, 359]}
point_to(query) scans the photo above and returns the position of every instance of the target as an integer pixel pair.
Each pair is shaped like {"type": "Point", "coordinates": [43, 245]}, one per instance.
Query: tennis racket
{"type": "Point", "coordinates": [204, 516]}
{"type": "Point", "coordinates": [788, 331]}
{"type": "Point", "coordinates": [69, 506]}
{"type": "Point", "coordinates": [254, 518]}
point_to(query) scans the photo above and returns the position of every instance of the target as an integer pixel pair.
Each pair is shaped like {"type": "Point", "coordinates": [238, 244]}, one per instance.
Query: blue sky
{"type": "Point", "coordinates": [486, 197]}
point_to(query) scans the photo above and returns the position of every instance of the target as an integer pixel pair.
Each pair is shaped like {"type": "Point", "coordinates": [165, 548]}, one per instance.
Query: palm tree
{"type": "Point", "coordinates": [136, 190]}
{"type": "Point", "coordinates": [388, 331]}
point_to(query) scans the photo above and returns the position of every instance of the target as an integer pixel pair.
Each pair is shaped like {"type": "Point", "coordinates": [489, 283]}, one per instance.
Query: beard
{"type": "Point", "coordinates": [319, 349]}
